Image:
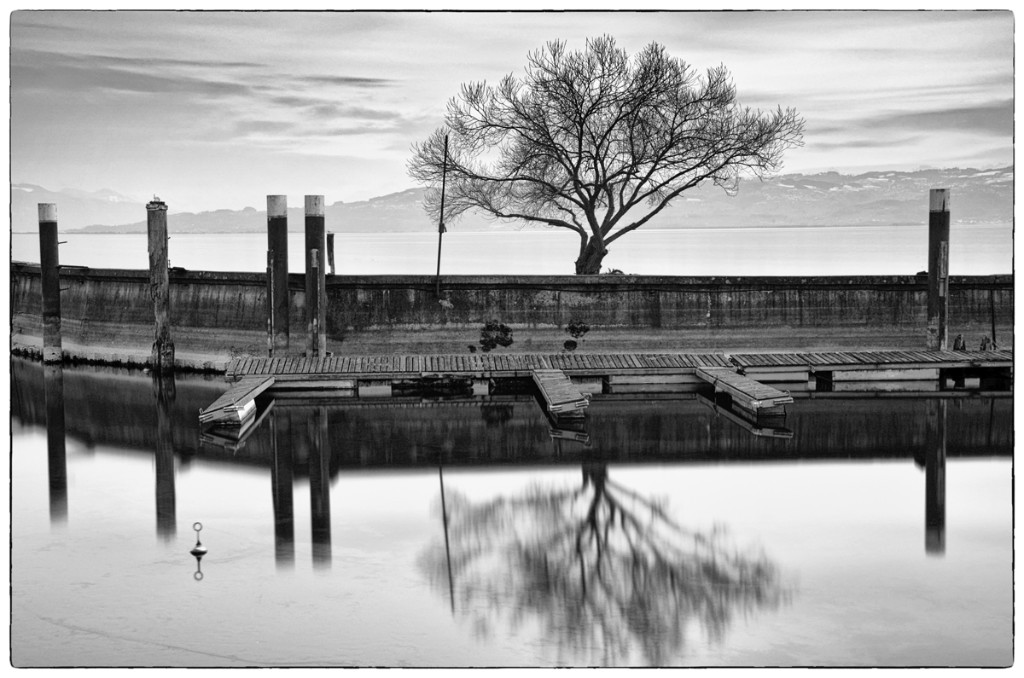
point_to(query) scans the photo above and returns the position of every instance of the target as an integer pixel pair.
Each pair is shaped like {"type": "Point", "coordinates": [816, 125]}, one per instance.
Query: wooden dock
{"type": "Point", "coordinates": [346, 371]}
{"type": "Point", "coordinates": [746, 392]}
{"type": "Point", "coordinates": [746, 377]}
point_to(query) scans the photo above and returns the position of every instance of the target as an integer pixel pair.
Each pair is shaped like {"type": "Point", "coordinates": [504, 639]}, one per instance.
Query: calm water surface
{"type": "Point", "coordinates": [975, 249]}
{"type": "Point", "coordinates": [411, 532]}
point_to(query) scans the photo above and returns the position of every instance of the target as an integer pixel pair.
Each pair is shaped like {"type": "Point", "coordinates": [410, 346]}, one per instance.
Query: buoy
{"type": "Point", "coordinates": [198, 550]}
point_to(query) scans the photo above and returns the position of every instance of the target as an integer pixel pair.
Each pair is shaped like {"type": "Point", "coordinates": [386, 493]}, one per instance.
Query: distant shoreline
{"type": "Point", "coordinates": [510, 227]}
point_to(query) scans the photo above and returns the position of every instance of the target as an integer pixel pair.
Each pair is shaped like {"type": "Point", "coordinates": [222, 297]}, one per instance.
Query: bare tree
{"type": "Point", "coordinates": [607, 574]}
{"type": "Point", "coordinates": [596, 142]}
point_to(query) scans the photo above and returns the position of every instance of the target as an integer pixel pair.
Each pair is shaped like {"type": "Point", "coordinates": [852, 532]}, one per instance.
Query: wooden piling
{"type": "Point", "coordinates": [162, 359]}
{"type": "Point", "coordinates": [277, 274]}
{"type": "Point", "coordinates": [316, 281]}
{"type": "Point", "coordinates": [330, 251]}
{"type": "Point", "coordinates": [938, 269]}
{"type": "Point", "coordinates": [49, 264]}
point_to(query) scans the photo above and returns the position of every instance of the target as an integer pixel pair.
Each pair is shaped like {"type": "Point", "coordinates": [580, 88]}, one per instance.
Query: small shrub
{"type": "Point", "coordinates": [495, 334]}
{"type": "Point", "coordinates": [570, 345]}
{"type": "Point", "coordinates": [577, 329]}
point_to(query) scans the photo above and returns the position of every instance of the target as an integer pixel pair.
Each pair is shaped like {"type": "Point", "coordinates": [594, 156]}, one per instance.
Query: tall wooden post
{"type": "Point", "coordinates": [330, 251]}
{"type": "Point", "coordinates": [935, 478]}
{"type": "Point", "coordinates": [316, 281]}
{"type": "Point", "coordinates": [159, 286]}
{"type": "Point", "coordinates": [938, 268]}
{"type": "Point", "coordinates": [277, 272]}
{"type": "Point", "coordinates": [49, 265]}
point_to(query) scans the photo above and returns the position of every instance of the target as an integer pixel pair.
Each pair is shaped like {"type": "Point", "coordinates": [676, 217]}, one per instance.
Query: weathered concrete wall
{"type": "Point", "coordinates": [215, 312]}
{"type": "Point", "coordinates": [358, 303]}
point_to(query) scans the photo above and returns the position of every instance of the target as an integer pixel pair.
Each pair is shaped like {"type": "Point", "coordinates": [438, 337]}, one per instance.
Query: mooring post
{"type": "Point", "coordinates": [159, 286]}
{"type": "Point", "coordinates": [277, 272]}
{"type": "Point", "coordinates": [330, 251]}
{"type": "Point", "coordinates": [49, 265]}
{"type": "Point", "coordinates": [938, 268]}
{"type": "Point", "coordinates": [316, 281]}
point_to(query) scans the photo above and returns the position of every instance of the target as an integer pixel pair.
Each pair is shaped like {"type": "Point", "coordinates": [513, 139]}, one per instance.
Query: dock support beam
{"type": "Point", "coordinates": [49, 264]}
{"type": "Point", "coordinates": [938, 268]}
{"type": "Point", "coordinates": [316, 281]}
{"type": "Point", "coordinates": [159, 286]}
{"type": "Point", "coordinates": [277, 271]}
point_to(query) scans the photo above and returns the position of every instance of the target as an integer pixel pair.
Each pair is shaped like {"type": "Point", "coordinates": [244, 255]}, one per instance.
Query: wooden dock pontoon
{"type": "Point", "coordinates": [744, 391]}
{"type": "Point", "coordinates": [561, 398]}
{"type": "Point", "coordinates": [745, 376]}
{"type": "Point", "coordinates": [237, 405]}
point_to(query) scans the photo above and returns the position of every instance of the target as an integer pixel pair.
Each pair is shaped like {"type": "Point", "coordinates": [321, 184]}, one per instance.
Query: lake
{"type": "Point", "coordinates": [431, 532]}
{"type": "Point", "coordinates": [975, 249]}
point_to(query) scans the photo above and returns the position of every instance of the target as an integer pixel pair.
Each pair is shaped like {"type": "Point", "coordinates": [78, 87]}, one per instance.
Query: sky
{"type": "Point", "coordinates": [216, 110]}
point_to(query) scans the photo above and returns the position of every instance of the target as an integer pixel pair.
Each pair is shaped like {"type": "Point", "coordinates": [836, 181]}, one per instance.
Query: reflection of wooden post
{"type": "Point", "coordinates": [935, 478]}
{"type": "Point", "coordinates": [277, 271]}
{"type": "Point", "coordinates": [159, 286]}
{"type": "Point", "coordinates": [49, 267]}
{"type": "Point", "coordinates": [938, 268]}
{"type": "Point", "coordinates": [56, 455]}
{"type": "Point", "coordinates": [165, 389]}
{"type": "Point", "coordinates": [320, 487]}
{"type": "Point", "coordinates": [281, 479]}
{"type": "Point", "coordinates": [316, 281]}
{"type": "Point", "coordinates": [330, 251]}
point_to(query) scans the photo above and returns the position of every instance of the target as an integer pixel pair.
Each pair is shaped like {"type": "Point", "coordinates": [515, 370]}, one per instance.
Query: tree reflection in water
{"type": "Point", "coordinates": [607, 574]}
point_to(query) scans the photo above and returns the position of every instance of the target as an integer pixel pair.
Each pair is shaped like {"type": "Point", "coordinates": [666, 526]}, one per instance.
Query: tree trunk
{"type": "Point", "coordinates": [591, 256]}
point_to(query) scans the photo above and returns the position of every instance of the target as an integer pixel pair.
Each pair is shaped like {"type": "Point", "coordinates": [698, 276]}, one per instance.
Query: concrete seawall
{"type": "Point", "coordinates": [107, 314]}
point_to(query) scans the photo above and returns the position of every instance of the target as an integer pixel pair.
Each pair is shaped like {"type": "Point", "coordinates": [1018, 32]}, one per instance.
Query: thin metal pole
{"type": "Point", "coordinates": [440, 220]}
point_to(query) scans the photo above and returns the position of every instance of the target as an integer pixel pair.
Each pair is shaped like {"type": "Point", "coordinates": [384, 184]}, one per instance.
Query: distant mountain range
{"type": "Point", "coordinates": [976, 196]}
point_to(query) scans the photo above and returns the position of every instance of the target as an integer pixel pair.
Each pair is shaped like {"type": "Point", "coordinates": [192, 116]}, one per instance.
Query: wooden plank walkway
{"type": "Point", "coordinates": [236, 404]}
{"type": "Point", "coordinates": [859, 360]}
{"type": "Point", "coordinates": [473, 364]}
{"type": "Point", "coordinates": [560, 395]}
{"type": "Point", "coordinates": [751, 394]}
{"type": "Point", "coordinates": [484, 365]}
